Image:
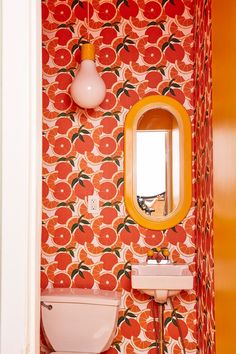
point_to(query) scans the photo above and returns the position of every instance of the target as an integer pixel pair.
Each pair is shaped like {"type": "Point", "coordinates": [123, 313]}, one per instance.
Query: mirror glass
{"type": "Point", "coordinates": [157, 163]}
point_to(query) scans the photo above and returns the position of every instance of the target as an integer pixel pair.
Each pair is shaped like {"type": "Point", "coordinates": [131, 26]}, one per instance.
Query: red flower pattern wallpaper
{"type": "Point", "coordinates": [142, 48]}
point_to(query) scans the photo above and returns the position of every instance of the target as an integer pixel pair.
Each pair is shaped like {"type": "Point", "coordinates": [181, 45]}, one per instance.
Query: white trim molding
{"type": "Point", "coordinates": [21, 176]}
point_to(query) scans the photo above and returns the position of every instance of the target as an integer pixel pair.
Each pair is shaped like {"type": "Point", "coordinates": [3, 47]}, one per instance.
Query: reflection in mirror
{"type": "Point", "coordinates": [157, 163]}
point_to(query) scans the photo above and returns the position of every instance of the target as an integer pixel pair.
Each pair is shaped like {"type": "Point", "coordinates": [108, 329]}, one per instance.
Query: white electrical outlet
{"type": "Point", "coordinates": [93, 204]}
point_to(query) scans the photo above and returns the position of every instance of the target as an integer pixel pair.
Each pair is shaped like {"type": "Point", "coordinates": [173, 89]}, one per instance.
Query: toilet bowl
{"type": "Point", "coordinates": [79, 321]}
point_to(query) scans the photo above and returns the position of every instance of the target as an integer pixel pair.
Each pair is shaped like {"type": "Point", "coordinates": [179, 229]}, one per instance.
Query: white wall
{"type": "Point", "coordinates": [21, 170]}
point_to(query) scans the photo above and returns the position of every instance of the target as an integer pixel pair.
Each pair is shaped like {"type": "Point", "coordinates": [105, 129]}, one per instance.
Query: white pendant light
{"type": "Point", "coordinates": [88, 90]}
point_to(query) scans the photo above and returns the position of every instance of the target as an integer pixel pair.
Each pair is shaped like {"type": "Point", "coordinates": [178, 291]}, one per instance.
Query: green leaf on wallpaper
{"type": "Point", "coordinates": [71, 206]}
{"type": "Point", "coordinates": [129, 221]}
{"type": "Point", "coordinates": [63, 70]}
{"type": "Point", "coordinates": [172, 91]}
{"type": "Point", "coordinates": [120, 273]}
{"type": "Point", "coordinates": [117, 162]}
{"type": "Point", "coordinates": [71, 253]}
{"type": "Point", "coordinates": [119, 92]}
{"type": "Point", "coordinates": [130, 86]}
{"type": "Point", "coordinates": [61, 204]}
{"type": "Point", "coordinates": [175, 40]}
{"type": "Point", "coordinates": [130, 314]}
{"type": "Point", "coordinates": [129, 41]}
{"type": "Point", "coordinates": [62, 26]}
{"type": "Point", "coordinates": [127, 228]}
{"type": "Point", "coordinates": [74, 181]}
{"type": "Point", "coordinates": [117, 207]}
{"type": "Point", "coordinates": [81, 137]}
{"type": "Point", "coordinates": [84, 176]}
{"type": "Point", "coordinates": [71, 28]}
{"type": "Point", "coordinates": [117, 27]}
{"type": "Point", "coordinates": [61, 159]}
{"type": "Point", "coordinates": [121, 319]}
{"type": "Point", "coordinates": [81, 228]}
{"type": "Point", "coordinates": [118, 48]}
{"type": "Point", "coordinates": [174, 321]}
{"type": "Point", "coordinates": [107, 24]}
{"type": "Point", "coordinates": [119, 2]}
{"type": "Point", "coordinates": [126, 48]}
{"type": "Point", "coordinates": [152, 345]}
{"type": "Point", "coordinates": [108, 249]}
{"type": "Point", "coordinates": [161, 68]}
{"type": "Point", "coordinates": [152, 68]}
{"type": "Point", "coordinates": [116, 115]}
{"type": "Point", "coordinates": [72, 72]}
{"type": "Point", "coordinates": [164, 46]}
{"type": "Point", "coordinates": [117, 346]}
{"type": "Point", "coordinates": [165, 90]}
{"type": "Point", "coordinates": [168, 320]}
{"type": "Point", "coordinates": [178, 315]}
{"type": "Point", "coordinates": [61, 114]}
{"type": "Point", "coordinates": [73, 274]}
{"type": "Point", "coordinates": [85, 131]}
{"type": "Point", "coordinates": [120, 181]}
{"type": "Point", "coordinates": [108, 158]}
{"type": "Point", "coordinates": [74, 3]}
{"type": "Point", "coordinates": [81, 274]}
{"type": "Point", "coordinates": [81, 182]}
{"type": "Point", "coordinates": [171, 46]}
{"type": "Point", "coordinates": [107, 114]}
{"type": "Point", "coordinates": [116, 71]}
{"type": "Point", "coordinates": [107, 204]}
{"type": "Point", "coordinates": [119, 227]}
{"type": "Point", "coordinates": [153, 23]}
{"type": "Point", "coordinates": [72, 162]}
{"type": "Point", "coordinates": [127, 321]}
{"type": "Point", "coordinates": [75, 46]}
{"type": "Point", "coordinates": [117, 253]}
{"type": "Point", "coordinates": [62, 249]}
{"type": "Point", "coordinates": [126, 92]}
{"type": "Point", "coordinates": [175, 85]}
{"type": "Point", "coordinates": [74, 227]}
{"type": "Point", "coordinates": [74, 136]}
{"type": "Point", "coordinates": [162, 26]}
{"type": "Point", "coordinates": [106, 69]}
{"type": "Point", "coordinates": [85, 222]}
{"type": "Point", "coordinates": [84, 267]}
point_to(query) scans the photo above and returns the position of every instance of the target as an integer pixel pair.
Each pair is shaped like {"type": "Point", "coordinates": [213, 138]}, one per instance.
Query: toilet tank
{"type": "Point", "coordinates": [80, 320]}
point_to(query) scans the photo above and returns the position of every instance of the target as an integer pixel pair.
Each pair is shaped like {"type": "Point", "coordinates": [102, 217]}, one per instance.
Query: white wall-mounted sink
{"type": "Point", "coordinates": [161, 280]}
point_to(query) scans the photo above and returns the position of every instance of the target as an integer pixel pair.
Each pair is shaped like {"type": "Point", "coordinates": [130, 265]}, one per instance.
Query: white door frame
{"type": "Point", "coordinates": [21, 176]}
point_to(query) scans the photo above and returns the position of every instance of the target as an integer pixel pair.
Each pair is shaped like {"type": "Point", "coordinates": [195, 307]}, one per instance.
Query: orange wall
{"type": "Point", "coordinates": [224, 135]}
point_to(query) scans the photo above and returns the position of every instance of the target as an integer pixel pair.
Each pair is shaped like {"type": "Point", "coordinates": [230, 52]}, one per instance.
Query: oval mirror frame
{"type": "Point", "coordinates": [130, 128]}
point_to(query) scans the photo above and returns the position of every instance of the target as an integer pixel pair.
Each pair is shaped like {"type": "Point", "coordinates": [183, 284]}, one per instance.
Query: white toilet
{"type": "Point", "coordinates": [79, 321]}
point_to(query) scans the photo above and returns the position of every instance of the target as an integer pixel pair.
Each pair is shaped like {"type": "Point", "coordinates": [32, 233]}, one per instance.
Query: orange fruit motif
{"type": "Point", "coordinates": [143, 318]}
{"type": "Point", "coordinates": [107, 282]}
{"type": "Point", "coordinates": [62, 236]}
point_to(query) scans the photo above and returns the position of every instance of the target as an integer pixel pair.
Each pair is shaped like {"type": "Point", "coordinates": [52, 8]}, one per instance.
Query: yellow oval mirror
{"type": "Point", "coordinates": [158, 174]}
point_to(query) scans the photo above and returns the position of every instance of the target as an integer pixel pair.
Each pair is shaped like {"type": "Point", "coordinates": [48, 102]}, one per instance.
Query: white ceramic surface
{"type": "Point", "coordinates": [81, 321]}
{"type": "Point", "coordinates": [161, 280]}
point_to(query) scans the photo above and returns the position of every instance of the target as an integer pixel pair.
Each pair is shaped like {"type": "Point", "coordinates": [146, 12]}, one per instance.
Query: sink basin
{"type": "Point", "coordinates": [161, 280]}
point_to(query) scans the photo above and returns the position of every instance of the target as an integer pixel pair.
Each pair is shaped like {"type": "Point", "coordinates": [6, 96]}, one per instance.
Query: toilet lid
{"type": "Point", "coordinates": [81, 296]}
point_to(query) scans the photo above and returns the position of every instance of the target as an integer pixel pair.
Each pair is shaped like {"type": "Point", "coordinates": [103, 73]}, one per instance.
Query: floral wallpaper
{"type": "Point", "coordinates": [142, 48]}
